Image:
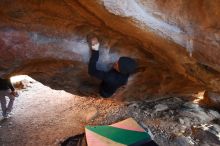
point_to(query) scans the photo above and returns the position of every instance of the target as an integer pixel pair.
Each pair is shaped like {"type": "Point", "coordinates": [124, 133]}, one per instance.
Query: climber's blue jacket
{"type": "Point", "coordinates": [112, 79]}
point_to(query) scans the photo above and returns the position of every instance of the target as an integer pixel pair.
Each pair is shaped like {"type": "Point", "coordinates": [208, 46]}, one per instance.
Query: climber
{"type": "Point", "coordinates": [114, 78]}
{"type": "Point", "coordinates": [7, 89]}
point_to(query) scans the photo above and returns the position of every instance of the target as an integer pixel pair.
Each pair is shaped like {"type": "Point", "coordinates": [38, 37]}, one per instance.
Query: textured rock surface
{"type": "Point", "coordinates": [175, 42]}
{"type": "Point", "coordinates": [211, 99]}
{"type": "Point", "coordinates": [48, 118]}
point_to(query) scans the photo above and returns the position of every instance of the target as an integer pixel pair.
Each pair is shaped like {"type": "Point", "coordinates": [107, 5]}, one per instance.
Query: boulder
{"type": "Point", "coordinates": [176, 43]}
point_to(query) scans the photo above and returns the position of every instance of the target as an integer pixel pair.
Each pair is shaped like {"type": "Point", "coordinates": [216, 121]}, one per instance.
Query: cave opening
{"type": "Point", "coordinates": [43, 113]}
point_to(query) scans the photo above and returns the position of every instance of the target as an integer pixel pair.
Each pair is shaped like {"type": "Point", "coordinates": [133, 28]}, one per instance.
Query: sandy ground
{"type": "Point", "coordinates": [40, 117]}
{"type": "Point", "coordinates": [44, 117]}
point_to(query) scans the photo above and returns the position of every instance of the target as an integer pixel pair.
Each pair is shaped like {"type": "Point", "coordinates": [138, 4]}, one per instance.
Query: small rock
{"type": "Point", "coordinates": [191, 105]}
{"type": "Point", "coordinates": [183, 128]}
{"type": "Point", "coordinates": [92, 114]}
{"type": "Point", "coordinates": [171, 112]}
{"type": "Point", "coordinates": [181, 121]}
{"type": "Point", "coordinates": [182, 131]}
{"type": "Point", "coordinates": [214, 113]}
{"type": "Point", "coordinates": [175, 130]}
{"type": "Point", "coordinates": [160, 107]}
{"type": "Point", "coordinates": [134, 105]}
{"type": "Point", "coordinates": [167, 116]}
{"type": "Point", "coordinates": [146, 112]}
{"type": "Point", "coordinates": [152, 115]}
{"type": "Point", "coordinates": [187, 122]}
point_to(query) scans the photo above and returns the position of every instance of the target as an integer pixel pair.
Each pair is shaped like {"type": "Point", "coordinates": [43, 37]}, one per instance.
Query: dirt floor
{"type": "Point", "coordinates": [44, 117]}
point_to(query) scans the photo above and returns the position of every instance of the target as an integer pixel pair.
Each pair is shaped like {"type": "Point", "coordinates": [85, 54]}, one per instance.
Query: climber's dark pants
{"type": "Point", "coordinates": [4, 106]}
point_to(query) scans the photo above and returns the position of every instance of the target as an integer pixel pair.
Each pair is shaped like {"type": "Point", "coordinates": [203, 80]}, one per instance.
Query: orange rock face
{"type": "Point", "coordinates": [176, 43]}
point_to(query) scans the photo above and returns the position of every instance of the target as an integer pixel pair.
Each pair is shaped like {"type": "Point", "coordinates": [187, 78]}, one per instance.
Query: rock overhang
{"type": "Point", "coordinates": [47, 40]}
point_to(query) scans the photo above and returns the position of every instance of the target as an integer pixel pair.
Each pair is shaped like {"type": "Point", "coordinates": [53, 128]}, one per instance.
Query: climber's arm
{"type": "Point", "coordinates": [93, 71]}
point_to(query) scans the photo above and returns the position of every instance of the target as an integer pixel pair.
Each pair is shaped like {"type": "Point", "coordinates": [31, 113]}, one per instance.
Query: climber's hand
{"type": "Point", "coordinates": [95, 44]}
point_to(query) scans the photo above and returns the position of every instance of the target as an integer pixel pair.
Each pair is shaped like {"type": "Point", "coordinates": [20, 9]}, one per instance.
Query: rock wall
{"type": "Point", "coordinates": [176, 43]}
